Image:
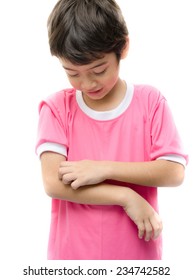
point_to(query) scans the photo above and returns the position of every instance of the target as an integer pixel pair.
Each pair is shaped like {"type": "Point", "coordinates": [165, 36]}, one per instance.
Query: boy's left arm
{"type": "Point", "coordinates": [159, 173]}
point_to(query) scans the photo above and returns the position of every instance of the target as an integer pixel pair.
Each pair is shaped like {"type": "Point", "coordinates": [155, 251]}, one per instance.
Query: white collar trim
{"type": "Point", "coordinates": [106, 115]}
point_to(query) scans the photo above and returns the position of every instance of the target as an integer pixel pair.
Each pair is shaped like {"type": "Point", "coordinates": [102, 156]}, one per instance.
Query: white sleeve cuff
{"type": "Point", "coordinates": [52, 147]}
{"type": "Point", "coordinates": [175, 158]}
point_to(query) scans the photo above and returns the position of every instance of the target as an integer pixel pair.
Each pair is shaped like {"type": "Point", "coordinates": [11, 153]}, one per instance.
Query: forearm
{"type": "Point", "coordinates": [136, 207]}
{"type": "Point", "coordinates": [153, 173]}
{"type": "Point", "coordinates": [100, 194]}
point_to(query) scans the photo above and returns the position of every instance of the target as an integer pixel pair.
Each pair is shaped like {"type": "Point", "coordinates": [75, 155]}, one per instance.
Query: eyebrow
{"type": "Point", "coordinates": [98, 65]}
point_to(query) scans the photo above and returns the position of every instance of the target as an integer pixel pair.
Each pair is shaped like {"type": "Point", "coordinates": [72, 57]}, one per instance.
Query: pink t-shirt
{"type": "Point", "coordinates": [140, 129]}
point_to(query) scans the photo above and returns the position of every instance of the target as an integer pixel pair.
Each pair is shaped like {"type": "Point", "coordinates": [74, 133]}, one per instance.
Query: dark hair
{"type": "Point", "coordinates": [82, 31]}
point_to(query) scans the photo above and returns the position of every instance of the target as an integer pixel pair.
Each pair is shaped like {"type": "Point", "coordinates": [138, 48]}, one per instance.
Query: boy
{"type": "Point", "coordinates": [105, 145]}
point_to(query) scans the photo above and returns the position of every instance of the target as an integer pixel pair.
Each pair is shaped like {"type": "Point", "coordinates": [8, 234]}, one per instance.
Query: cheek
{"type": "Point", "coordinates": [111, 80]}
{"type": "Point", "coordinates": [74, 83]}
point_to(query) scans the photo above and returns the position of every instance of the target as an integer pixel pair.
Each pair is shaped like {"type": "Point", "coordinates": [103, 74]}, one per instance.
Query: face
{"type": "Point", "coordinates": [95, 80]}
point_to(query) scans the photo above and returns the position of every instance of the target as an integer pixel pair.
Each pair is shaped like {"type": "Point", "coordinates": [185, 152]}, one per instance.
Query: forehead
{"type": "Point", "coordinates": [107, 58]}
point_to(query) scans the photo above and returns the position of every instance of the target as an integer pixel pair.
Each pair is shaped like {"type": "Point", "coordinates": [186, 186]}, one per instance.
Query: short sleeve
{"type": "Point", "coordinates": [164, 134]}
{"type": "Point", "coordinates": [51, 134]}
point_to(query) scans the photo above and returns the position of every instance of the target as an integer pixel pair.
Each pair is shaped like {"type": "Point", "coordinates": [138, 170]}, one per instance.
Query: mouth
{"type": "Point", "coordinates": [94, 92]}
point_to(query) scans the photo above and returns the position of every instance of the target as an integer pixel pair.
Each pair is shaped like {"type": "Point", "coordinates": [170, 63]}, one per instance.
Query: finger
{"type": "Point", "coordinates": [59, 176]}
{"type": "Point", "coordinates": [157, 226]}
{"type": "Point", "coordinates": [60, 173]}
{"type": "Point", "coordinates": [68, 178]}
{"type": "Point", "coordinates": [66, 163]}
{"type": "Point", "coordinates": [148, 230]}
{"type": "Point", "coordinates": [141, 230]}
{"type": "Point", "coordinates": [76, 184]}
{"type": "Point", "coordinates": [63, 171]}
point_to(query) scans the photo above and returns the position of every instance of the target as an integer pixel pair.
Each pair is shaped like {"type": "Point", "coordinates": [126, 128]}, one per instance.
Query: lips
{"type": "Point", "coordinates": [95, 92]}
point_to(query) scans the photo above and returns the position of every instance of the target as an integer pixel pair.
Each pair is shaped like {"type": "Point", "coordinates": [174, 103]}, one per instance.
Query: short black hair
{"type": "Point", "coordinates": [82, 31]}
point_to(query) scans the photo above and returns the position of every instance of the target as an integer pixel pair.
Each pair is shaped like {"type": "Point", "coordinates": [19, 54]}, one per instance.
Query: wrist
{"type": "Point", "coordinates": [125, 196]}
{"type": "Point", "coordinates": [109, 170]}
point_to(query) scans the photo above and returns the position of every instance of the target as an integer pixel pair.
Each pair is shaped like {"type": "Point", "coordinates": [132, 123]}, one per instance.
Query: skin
{"type": "Point", "coordinates": [83, 181]}
{"type": "Point", "coordinates": [148, 222]}
{"type": "Point", "coordinates": [158, 173]}
{"type": "Point", "coordinates": [102, 76]}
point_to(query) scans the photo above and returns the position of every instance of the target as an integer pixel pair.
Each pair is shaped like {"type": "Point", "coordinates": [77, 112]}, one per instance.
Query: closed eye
{"type": "Point", "coordinates": [100, 73]}
{"type": "Point", "coordinates": [72, 75]}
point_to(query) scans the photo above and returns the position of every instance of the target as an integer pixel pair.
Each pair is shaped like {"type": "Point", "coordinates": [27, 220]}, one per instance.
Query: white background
{"type": "Point", "coordinates": [161, 47]}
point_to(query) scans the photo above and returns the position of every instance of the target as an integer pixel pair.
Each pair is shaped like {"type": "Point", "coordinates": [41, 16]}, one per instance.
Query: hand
{"type": "Point", "coordinates": [82, 173]}
{"type": "Point", "coordinates": [148, 221]}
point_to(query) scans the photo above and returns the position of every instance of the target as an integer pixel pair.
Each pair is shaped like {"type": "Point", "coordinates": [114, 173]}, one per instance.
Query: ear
{"type": "Point", "coordinates": [126, 49]}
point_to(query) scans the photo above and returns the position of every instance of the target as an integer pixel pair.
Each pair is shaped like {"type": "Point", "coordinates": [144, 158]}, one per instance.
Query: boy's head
{"type": "Point", "coordinates": [82, 31]}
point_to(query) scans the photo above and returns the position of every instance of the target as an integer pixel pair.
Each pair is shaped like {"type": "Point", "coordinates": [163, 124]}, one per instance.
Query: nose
{"type": "Point", "coordinates": [88, 84]}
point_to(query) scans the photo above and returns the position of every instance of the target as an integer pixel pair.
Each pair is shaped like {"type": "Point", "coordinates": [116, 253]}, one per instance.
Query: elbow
{"type": "Point", "coordinates": [180, 180]}
{"type": "Point", "coordinates": [49, 189]}
{"type": "Point", "coordinates": [178, 175]}
{"type": "Point", "coordinates": [55, 189]}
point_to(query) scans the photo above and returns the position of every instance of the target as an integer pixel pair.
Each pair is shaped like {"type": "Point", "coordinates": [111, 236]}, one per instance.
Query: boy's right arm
{"type": "Point", "coordinates": [137, 208]}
